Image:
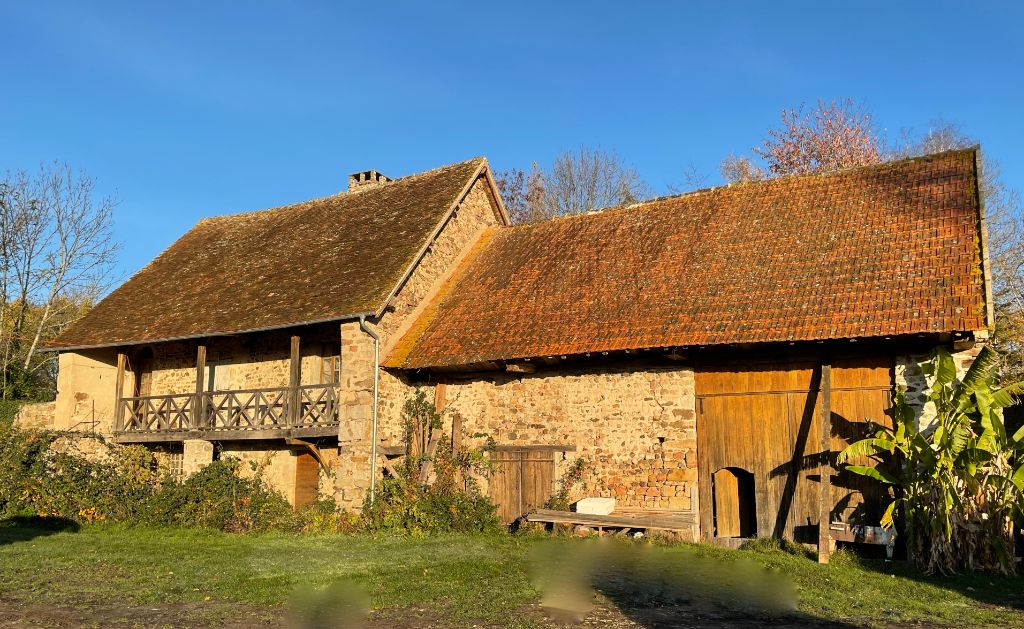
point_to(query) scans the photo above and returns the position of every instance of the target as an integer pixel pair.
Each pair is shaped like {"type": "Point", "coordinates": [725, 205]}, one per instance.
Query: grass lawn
{"type": "Point", "coordinates": [113, 575]}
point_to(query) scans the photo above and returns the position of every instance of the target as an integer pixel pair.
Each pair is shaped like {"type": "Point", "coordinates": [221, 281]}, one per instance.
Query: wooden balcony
{"type": "Point", "coordinates": [271, 413]}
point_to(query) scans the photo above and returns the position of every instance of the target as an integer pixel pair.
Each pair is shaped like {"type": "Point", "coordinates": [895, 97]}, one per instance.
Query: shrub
{"type": "Point", "coordinates": [217, 497]}
{"type": "Point", "coordinates": [8, 411]}
{"type": "Point", "coordinates": [959, 485]}
{"type": "Point", "coordinates": [45, 474]}
{"type": "Point", "coordinates": [434, 488]}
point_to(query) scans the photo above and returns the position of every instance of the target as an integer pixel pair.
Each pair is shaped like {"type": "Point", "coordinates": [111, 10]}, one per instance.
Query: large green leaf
{"type": "Point", "coordinates": [979, 373]}
{"type": "Point", "coordinates": [873, 472]}
{"type": "Point", "coordinates": [865, 447]}
{"type": "Point", "coordinates": [1008, 395]}
{"type": "Point", "coordinates": [960, 435]}
{"type": "Point", "coordinates": [1018, 477]}
{"type": "Point", "coordinates": [944, 367]}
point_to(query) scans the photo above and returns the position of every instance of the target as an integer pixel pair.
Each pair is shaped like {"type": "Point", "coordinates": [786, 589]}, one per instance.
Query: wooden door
{"type": "Point", "coordinates": [521, 479]}
{"type": "Point", "coordinates": [765, 421]}
{"type": "Point", "coordinates": [307, 478]}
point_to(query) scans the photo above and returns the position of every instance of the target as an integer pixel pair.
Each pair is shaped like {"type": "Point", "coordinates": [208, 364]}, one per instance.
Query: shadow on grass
{"type": "Point", "coordinates": [26, 528]}
{"type": "Point", "coordinates": [988, 589]}
{"type": "Point", "coordinates": [656, 586]}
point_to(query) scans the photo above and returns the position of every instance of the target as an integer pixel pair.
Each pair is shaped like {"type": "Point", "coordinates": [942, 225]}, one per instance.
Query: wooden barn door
{"type": "Point", "coordinates": [765, 422]}
{"type": "Point", "coordinates": [521, 479]}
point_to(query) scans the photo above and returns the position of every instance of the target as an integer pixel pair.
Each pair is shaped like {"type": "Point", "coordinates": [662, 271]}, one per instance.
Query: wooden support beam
{"type": "Point", "coordinates": [198, 405]}
{"type": "Point", "coordinates": [825, 497]}
{"type": "Point", "coordinates": [122, 361]}
{"type": "Point", "coordinates": [294, 377]}
{"type": "Point", "coordinates": [313, 449]}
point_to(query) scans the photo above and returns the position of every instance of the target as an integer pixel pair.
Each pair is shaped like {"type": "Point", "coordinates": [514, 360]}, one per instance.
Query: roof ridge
{"type": "Point", "coordinates": [614, 209]}
{"type": "Point", "coordinates": [288, 206]}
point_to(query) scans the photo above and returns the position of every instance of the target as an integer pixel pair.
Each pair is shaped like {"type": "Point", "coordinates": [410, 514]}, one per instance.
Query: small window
{"type": "Point", "coordinates": [175, 461]}
{"type": "Point", "coordinates": [330, 366]}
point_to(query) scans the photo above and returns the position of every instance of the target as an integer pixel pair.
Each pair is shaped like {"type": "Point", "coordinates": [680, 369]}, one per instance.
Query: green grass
{"type": "Point", "coordinates": [466, 577]}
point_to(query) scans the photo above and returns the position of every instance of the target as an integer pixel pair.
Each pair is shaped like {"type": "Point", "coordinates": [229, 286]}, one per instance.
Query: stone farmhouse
{"type": "Point", "coordinates": [706, 353]}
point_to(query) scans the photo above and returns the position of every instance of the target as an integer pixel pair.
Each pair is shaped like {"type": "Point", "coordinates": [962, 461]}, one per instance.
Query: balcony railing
{"type": "Point", "coordinates": [303, 411]}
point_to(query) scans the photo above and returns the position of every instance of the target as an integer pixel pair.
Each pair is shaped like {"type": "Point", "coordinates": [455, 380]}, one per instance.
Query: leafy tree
{"type": "Point", "coordinates": [835, 134]}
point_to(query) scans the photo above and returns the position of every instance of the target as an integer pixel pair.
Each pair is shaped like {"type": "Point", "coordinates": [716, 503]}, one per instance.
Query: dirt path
{"type": "Point", "coordinates": [14, 613]}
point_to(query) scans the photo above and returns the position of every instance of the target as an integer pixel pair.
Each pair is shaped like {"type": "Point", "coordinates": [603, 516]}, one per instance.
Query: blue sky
{"type": "Point", "coordinates": [192, 109]}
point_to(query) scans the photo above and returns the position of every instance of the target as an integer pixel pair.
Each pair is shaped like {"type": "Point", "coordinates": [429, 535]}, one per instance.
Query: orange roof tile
{"type": "Point", "coordinates": [874, 251]}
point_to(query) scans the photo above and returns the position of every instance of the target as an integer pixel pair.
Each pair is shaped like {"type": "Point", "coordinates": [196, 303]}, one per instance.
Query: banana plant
{"type": "Point", "coordinates": [958, 482]}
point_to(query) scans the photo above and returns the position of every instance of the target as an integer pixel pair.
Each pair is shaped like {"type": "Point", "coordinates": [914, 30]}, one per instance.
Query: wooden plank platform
{"type": "Point", "coordinates": [677, 521]}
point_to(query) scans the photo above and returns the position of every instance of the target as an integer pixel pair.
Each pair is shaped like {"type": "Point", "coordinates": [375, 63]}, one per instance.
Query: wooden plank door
{"type": "Point", "coordinates": [521, 479]}
{"type": "Point", "coordinates": [766, 421]}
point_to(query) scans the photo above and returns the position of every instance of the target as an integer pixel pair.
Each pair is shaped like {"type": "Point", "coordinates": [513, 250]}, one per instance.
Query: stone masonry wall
{"type": "Point", "coordinates": [352, 466]}
{"type": "Point", "coordinates": [636, 427]}
{"type": "Point", "coordinates": [909, 376]}
{"type": "Point", "coordinates": [251, 361]}
{"type": "Point", "coordinates": [476, 212]}
{"type": "Point", "coordinates": [86, 390]}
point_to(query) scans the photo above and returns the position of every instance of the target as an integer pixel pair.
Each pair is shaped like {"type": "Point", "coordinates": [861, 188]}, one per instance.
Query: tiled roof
{"type": "Point", "coordinates": [320, 260]}
{"type": "Point", "coordinates": [876, 251]}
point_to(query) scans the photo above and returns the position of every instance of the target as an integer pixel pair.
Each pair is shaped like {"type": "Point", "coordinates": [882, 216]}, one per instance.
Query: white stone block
{"type": "Point", "coordinates": [596, 506]}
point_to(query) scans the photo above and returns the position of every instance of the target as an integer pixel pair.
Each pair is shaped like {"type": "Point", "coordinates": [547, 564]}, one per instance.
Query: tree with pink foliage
{"type": "Point", "coordinates": [836, 134]}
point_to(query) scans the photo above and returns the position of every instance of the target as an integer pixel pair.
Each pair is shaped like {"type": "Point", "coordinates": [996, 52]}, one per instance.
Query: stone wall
{"type": "Point", "coordinates": [352, 468]}
{"type": "Point", "coordinates": [36, 416]}
{"type": "Point", "coordinates": [275, 463]}
{"type": "Point", "coordinates": [909, 376]}
{"type": "Point", "coordinates": [636, 427]}
{"type": "Point", "coordinates": [251, 361]}
{"type": "Point", "coordinates": [476, 212]}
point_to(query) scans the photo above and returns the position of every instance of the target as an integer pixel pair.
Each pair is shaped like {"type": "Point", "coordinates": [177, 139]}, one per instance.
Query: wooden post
{"type": "Point", "coordinates": [825, 498]}
{"type": "Point", "coordinates": [294, 375]}
{"type": "Point", "coordinates": [122, 361]}
{"type": "Point", "coordinates": [198, 404]}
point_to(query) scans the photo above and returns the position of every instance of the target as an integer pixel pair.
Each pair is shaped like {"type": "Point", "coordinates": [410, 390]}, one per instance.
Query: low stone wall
{"type": "Point", "coordinates": [37, 416]}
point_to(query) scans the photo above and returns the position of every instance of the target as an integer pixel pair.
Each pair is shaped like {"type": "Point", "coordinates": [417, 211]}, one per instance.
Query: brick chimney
{"type": "Point", "coordinates": [366, 179]}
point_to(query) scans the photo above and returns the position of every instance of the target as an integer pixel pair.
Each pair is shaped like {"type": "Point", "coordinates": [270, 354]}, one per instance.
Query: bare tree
{"type": "Point", "coordinates": [578, 181]}
{"type": "Point", "coordinates": [589, 179]}
{"type": "Point", "coordinates": [523, 194]}
{"type": "Point", "coordinates": [740, 169]}
{"type": "Point", "coordinates": [56, 260]}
